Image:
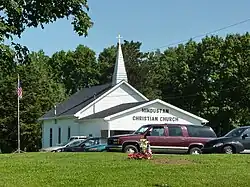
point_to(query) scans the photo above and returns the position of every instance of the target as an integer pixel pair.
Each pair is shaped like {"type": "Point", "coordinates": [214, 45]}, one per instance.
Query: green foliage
{"type": "Point", "coordinates": [106, 64]}
{"type": "Point", "coordinates": [64, 169]}
{"type": "Point", "coordinates": [40, 89]}
{"type": "Point", "coordinates": [210, 78]}
{"type": "Point", "coordinates": [16, 16]}
{"type": "Point", "coordinates": [75, 69]}
{"type": "Point", "coordinates": [40, 93]}
{"type": "Point", "coordinates": [151, 75]}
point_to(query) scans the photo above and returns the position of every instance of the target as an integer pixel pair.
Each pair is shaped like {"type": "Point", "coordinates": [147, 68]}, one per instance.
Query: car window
{"type": "Point", "coordinates": [175, 131]}
{"type": "Point", "coordinates": [96, 142]}
{"type": "Point", "coordinates": [235, 132]}
{"type": "Point", "coordinates": [75, 143]}
{"type": "Point", "coordinates": [142, 129]}
{"type": "Point", "coordinates": [89, 142]}
{"type": "Point", "coordinates": [157, 131]}
{"type": "Point", "coordinates": [103, 141]}
{"type": "Point", "coordinates": [247, 132]}
{"type": "Point", "coordinates": [200, 131]}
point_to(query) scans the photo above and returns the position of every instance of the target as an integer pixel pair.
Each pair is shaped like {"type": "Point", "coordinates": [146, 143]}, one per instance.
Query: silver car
{"type": "Point", "coordinates": [74, 142]}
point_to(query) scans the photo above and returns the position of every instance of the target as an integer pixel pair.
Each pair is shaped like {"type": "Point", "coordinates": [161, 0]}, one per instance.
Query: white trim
{"type": "Point", "coordinates": [108, 92]}
{"type": "Point", "coordinates": [86, 120]}
{"type": "Point", "coordinates": [168, 147]}
{"type": "Point", "coordinates": [128, 110]}
{"type": "Point", "coordinates": [56, 117]}
{"type": "Point", "coordinates": [155, 101]}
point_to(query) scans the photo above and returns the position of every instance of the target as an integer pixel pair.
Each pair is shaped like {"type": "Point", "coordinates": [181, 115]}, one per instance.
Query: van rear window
{"type": "Point", "coordinates": [206, 132]}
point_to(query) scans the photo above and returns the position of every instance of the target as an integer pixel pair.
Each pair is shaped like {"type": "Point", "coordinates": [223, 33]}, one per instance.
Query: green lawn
{"type": "Point", "coordinates": [114, 169]}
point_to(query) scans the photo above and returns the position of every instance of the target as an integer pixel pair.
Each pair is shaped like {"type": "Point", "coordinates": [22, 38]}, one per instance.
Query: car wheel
{"type": "Point", "coordinates": [130, 149]}
{"type": "Point", "coordinates": [195, 151]}
{"type": "Point", "coordinates": [228, 149]}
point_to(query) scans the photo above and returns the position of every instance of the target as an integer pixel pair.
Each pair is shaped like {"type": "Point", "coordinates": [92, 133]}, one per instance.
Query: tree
{"type": "Point", "coordinates": [210, 79]}
{"type": "Point", "coordinates": [75, 69]}
{"type": "Point", "coordinates": [16, 16]}
{"type": "Point", "coordinates": [106, 64]}
{"type": "Point", "coordinates": [42, 90]}
{"type": "Point", "coordinates": [151, 75]}
{"type": "Point", "coordinates": [40, 93]}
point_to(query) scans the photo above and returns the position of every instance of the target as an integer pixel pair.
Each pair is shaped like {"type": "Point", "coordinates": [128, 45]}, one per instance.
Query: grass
{"type": "Point", "coordinates": [114, 169]}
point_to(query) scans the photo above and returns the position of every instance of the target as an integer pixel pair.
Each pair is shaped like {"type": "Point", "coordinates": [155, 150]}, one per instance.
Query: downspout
{"type": "Point", "coordinates": [94, 103]}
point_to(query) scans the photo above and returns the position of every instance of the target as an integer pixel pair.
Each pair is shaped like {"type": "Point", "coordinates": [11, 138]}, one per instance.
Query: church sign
{"type": "Point", "coordinates": [155, 110]}
{"type": "Point", "coordinates": [154, 118]}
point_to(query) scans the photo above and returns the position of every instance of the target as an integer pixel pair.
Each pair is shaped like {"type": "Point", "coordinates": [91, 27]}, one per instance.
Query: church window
{"type": "Point", "coordinates": [59, 135]}
{"type": "Point", "coordinates": [69, 133]}
{"type": "Point", "coordinates": [50, 137]}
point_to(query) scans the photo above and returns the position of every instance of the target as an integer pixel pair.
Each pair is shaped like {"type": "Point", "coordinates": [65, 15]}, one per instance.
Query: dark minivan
{"type": "Point", "coordinates": [164, 138]}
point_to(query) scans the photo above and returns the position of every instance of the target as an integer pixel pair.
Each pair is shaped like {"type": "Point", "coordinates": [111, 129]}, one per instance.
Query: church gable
{"type": "Point", "coordinates": [77, 101]}
{"type": "Point", "coordinates": [156, 111]}
{"type": "Point", "coordinates": [119, 94]}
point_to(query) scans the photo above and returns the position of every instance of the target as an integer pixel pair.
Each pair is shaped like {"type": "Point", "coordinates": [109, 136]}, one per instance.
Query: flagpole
{"type": "Point", "coordinates": [18, 123]}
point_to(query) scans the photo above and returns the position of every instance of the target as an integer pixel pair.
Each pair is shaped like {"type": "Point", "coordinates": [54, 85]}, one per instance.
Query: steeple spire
{"type": "Point", "coordinates": [120, 70]}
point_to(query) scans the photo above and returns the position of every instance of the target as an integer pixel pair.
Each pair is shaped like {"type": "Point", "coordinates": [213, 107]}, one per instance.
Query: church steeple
{"type": "Point", "coordinates": [120, 70]}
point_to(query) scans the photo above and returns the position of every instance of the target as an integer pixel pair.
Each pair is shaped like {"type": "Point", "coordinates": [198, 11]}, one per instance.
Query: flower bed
{"type": "Point", "coordinates": [145, 151]}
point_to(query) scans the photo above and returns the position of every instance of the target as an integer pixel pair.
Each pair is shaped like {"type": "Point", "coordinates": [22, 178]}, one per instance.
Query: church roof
{"type": "Point", "coordinates": [78, 101]}
{"type": "Point", "coordinates": [114, 110]}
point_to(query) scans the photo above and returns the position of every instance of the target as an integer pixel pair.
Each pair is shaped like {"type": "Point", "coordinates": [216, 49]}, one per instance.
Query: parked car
{"type": "Point", "coordinates": [164, 138]}
{"type": "Point", "coordinates": [77, 137]}
{"type": "Point", "coordinates": [74, 142]}
{"type": "Point", "coordinates": [235, 141]}
{"type": "Point", "coordinates": [95, 144]}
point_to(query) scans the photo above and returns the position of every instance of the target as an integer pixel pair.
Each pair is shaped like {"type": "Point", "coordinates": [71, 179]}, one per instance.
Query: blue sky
{"type": "Point", "coordinates": [154, 23]}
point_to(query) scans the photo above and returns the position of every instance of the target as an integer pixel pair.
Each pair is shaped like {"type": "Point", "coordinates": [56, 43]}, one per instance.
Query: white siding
{"type": "Point", "coordinates": [63, 124]}
{"type": "Point", "coordinates": [123, 94]}
{"type": "Point", "coordinates": [185, 117]}
{"type": "Point", "coordinates": [93, 127]}
{"type": "Point", "coordinates": [126, 121]}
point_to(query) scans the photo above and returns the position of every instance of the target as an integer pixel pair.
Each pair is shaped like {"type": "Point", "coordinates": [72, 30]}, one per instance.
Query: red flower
{"type": "Point", "coordinates": [139, 155]}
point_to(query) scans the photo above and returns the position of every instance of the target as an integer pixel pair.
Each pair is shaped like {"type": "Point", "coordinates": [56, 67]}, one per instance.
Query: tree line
{"type": "Point", "coordinates": [209, 78]}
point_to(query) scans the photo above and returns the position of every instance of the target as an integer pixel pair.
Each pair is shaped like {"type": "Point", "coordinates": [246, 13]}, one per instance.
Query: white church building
{"type": "Point", "coordinates": [109, 109]}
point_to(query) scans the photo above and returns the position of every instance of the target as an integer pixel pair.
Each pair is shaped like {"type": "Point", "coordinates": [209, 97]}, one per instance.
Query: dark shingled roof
{"type": "Point", "coordinates": [114, 110]}
{"type": "Point", "coordinates": [78, 100]}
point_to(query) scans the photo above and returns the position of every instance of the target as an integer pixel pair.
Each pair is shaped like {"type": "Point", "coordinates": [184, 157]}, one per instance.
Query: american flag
{"type": "Point", "coordinates": [19, 90]}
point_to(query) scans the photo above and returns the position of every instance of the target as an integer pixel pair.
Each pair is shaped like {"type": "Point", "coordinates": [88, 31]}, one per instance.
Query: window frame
{"type": "Point", "coordinates": [244, 132]}
{"type": "Point", "coordinates": [200, 132]}
{"type": "Point", "coordinates": [151, 129]}
{"type": "Point", "coordinates": [180, 127]}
